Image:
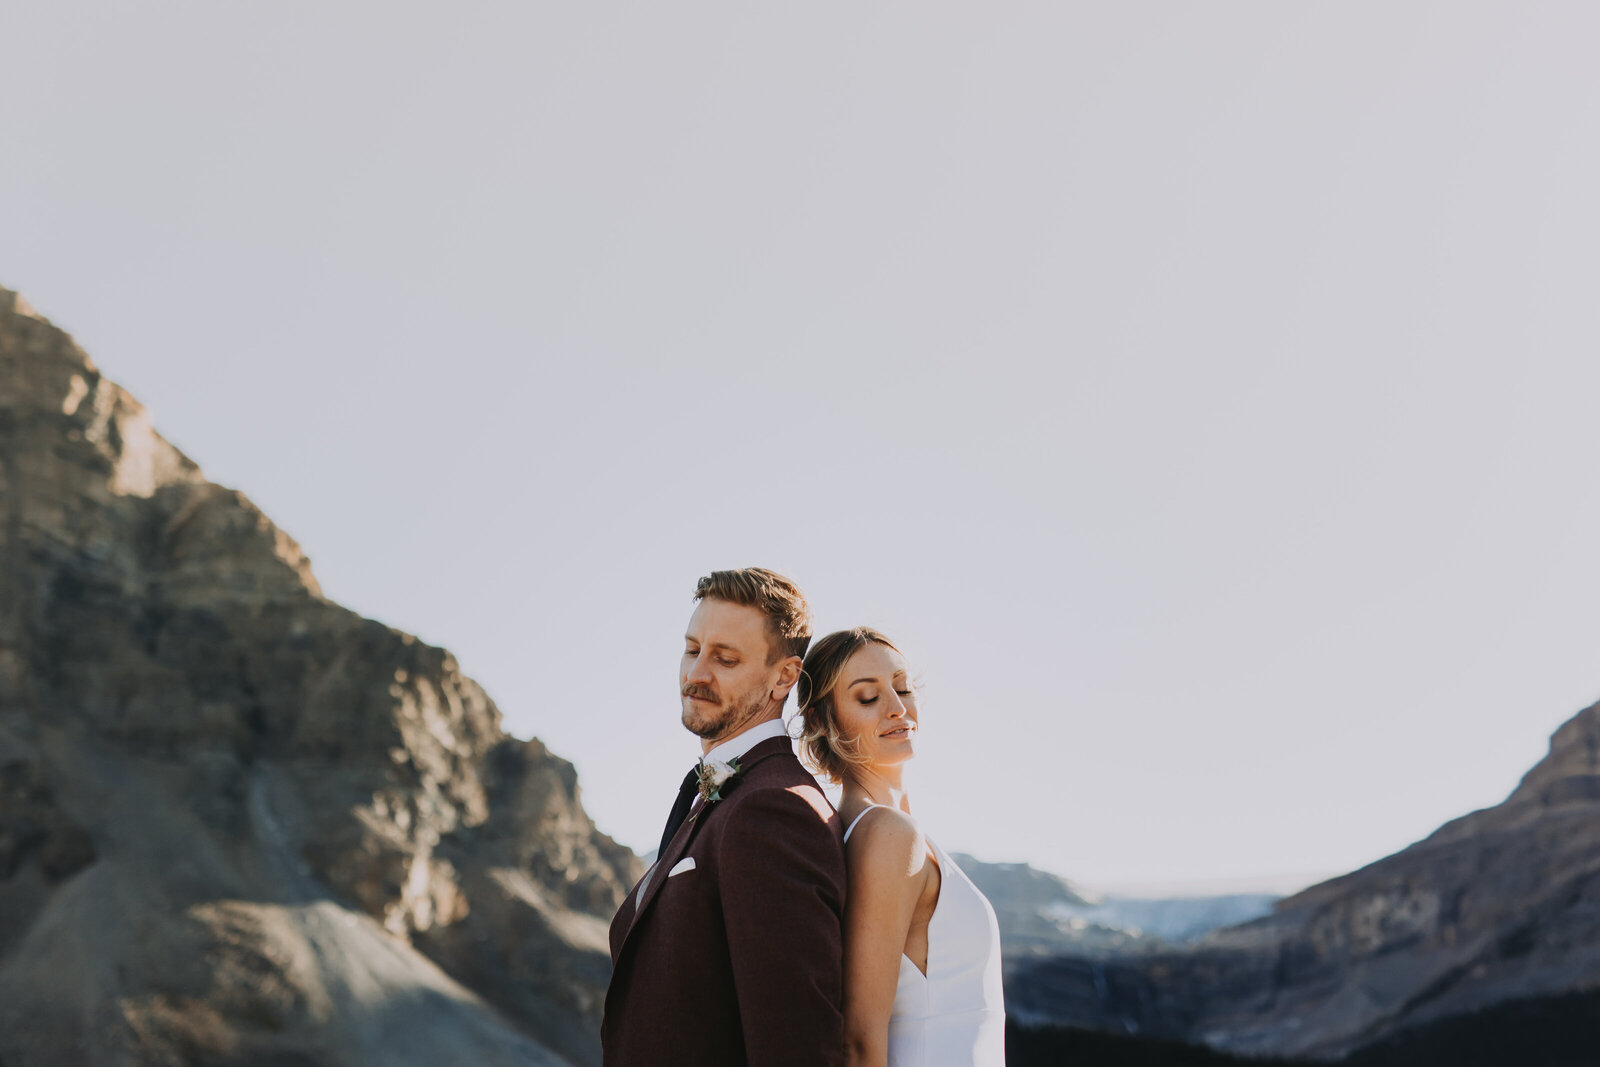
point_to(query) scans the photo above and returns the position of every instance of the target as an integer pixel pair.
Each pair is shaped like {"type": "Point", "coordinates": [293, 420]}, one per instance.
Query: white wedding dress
{"type": "Point", "coordinates": [954, 1016]}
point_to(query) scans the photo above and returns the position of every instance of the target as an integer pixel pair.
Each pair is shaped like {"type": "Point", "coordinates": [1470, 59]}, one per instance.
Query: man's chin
{"type": "Point", "coordinates": [701, 723]}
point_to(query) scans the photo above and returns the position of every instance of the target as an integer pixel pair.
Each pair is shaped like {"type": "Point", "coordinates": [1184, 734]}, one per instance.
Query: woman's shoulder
{"type": "Point", "coordinates": [879, 827]}
{"type": "Point", "coordinates": [887, 854]}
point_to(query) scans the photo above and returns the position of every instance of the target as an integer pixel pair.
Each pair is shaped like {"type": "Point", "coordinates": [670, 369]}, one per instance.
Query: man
{"type": "Point", "coordinates": [729, 950]}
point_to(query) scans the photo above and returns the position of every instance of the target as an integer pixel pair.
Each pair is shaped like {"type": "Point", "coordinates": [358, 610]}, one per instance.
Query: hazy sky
{"type": "Point", "coordinates": [1203, 394]}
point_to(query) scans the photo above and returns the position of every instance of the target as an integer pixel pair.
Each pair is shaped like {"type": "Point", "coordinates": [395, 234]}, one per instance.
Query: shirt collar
{"type": "Point", "coordinates": [735, 747]}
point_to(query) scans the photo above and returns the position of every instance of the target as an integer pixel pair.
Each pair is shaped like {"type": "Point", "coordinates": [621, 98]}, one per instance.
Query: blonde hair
{"type": "Point", "coordinates": [776, 597]}
{"type": "Point", "coordinates": [824, 749]}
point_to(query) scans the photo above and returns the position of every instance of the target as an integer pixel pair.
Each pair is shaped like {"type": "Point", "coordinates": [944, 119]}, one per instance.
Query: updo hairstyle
{"type": "Point", "coordinates": [822, 747]}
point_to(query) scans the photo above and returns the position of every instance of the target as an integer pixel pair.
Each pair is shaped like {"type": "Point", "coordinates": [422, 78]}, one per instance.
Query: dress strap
{"type": "Point", "coordinates": [856, 821]}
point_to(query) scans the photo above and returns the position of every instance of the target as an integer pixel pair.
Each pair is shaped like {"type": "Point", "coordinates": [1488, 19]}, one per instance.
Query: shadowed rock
{"type": "Point", "coordinates": [240, 824]}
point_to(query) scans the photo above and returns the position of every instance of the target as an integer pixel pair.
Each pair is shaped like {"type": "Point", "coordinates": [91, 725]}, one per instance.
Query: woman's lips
{"type": "Point", "coordinates": [899, 731]}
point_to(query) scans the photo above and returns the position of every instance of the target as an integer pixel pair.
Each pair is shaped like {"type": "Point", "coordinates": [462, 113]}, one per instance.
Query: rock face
{"type": "Point", "coordinates": [1501, 906]}
{"type": "Point", "coordinates": [240, 824]}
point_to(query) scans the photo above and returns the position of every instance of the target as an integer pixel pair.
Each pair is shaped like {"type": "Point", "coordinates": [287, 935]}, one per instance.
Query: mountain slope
{"type": "Point", "coordinates": [239, 823]}
{"type": "Point", "coordinates": [1499, 906]}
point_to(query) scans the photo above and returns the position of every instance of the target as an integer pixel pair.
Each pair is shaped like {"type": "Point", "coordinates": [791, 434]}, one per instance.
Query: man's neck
{"type": "Point", "coordinates": [742, 742]}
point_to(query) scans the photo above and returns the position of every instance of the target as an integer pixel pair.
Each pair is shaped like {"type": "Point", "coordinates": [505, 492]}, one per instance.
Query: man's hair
{"type": "Point", "coordinates": [776, 597]}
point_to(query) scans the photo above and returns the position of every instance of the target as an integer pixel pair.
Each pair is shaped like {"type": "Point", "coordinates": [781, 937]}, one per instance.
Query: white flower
{"type": "Point", "coordinates": [713, 775]}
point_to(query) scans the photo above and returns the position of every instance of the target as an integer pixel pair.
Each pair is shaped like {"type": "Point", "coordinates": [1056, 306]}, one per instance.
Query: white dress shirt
{"type": "Point", "coordinates": [735, 747]}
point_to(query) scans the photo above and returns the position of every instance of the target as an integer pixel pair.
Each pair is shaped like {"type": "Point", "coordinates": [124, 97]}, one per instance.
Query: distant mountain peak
{"type": "Point", "coordinates": [14, 304]}
{"type": "Point", "coordinates": [1498, 907]}
{"type": "Point", "coordinates": [1572, 769]}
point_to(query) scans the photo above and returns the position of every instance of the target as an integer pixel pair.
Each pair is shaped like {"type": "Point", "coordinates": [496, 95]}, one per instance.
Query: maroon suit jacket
{"type": "Point", "coordinates": [739, 961]}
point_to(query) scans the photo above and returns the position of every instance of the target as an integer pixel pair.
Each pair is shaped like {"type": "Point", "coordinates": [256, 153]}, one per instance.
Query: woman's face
{"type": "Point", "coordinates": [874, 702]}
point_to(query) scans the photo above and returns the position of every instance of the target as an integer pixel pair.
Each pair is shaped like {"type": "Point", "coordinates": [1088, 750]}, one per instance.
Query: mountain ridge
{"type": "Point", "coordinates": [1500, 905]}
{"type": "Point", "coordinates": [239, 823]}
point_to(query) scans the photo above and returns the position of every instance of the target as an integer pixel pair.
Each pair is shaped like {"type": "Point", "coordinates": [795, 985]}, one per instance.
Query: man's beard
{"type": "Point", "coordinates": [729, 718]}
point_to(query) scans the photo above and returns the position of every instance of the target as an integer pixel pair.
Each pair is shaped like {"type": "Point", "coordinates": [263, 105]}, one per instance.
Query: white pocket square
{"type": "Point", "coordinates": [685, 864]}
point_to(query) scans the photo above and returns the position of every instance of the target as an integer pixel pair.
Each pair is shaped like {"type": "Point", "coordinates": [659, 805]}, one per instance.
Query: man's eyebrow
{"type": "Point", "coordinates": [714, 644]}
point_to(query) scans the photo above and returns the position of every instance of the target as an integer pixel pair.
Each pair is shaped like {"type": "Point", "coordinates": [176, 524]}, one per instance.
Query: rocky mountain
{"type": "Point", "coordinates": [1043, 914]}
{"type": "Point", "coordinates": [1493, 918]}
{"type": "Point", "coordinates": [240, 824]}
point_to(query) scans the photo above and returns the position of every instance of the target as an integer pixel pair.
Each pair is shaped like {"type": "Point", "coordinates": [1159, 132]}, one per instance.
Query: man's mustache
{"type": "Point", "coordinates": [699, 691]}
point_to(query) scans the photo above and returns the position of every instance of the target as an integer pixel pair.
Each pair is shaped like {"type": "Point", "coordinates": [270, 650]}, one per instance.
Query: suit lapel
{"type": "Point", "coordinates": [657, 876]}
{"type": "Point", "coordinates": [664, 863]}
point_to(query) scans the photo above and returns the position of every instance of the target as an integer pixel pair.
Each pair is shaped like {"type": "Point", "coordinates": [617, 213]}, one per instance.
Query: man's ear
{"type": "Point", "coordinates": [788, 675]}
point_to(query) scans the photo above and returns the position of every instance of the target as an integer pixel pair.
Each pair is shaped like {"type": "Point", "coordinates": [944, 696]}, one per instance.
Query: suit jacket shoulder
{"type": "Point", "coordinates": [773, 766]}
{"type": "Point", "coordinates": [735, 955]}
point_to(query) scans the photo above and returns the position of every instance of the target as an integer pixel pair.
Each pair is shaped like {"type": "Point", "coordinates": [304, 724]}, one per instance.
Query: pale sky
{"type": "Point", "coordinates": [1202, 394]}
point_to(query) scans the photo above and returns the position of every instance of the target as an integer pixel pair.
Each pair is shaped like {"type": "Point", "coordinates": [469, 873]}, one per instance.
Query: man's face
{"type": "Point", "coordinates": [725, 681]}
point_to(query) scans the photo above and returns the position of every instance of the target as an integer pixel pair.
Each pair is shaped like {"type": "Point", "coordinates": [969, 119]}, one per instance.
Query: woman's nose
{"type": "Point", "coordinates": [897, 707]}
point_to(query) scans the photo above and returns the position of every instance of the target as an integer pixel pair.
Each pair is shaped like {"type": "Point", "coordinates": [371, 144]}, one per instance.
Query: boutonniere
{"type": "Point", "coordinates": [715, 776]}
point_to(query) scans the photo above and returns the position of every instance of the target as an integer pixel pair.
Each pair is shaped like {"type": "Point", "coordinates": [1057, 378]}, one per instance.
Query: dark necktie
{"type": "Point", "coordinates": [680, 808]}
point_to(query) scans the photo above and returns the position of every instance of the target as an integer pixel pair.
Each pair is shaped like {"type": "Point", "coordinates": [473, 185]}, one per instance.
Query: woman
{"type": "Point", "coordinates": [921, 946]}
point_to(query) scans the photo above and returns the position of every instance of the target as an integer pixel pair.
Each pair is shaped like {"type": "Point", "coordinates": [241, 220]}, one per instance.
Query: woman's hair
{"type": "Point", "coordinates": [822, 747]}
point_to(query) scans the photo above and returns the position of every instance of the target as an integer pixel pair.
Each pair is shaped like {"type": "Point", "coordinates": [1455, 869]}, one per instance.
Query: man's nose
{"type": "Point", "coordinates": [699, 670]}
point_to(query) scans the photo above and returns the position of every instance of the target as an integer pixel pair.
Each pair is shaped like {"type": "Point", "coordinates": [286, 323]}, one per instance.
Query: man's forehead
{"type": "Point", "coordinates": [722, 622]}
